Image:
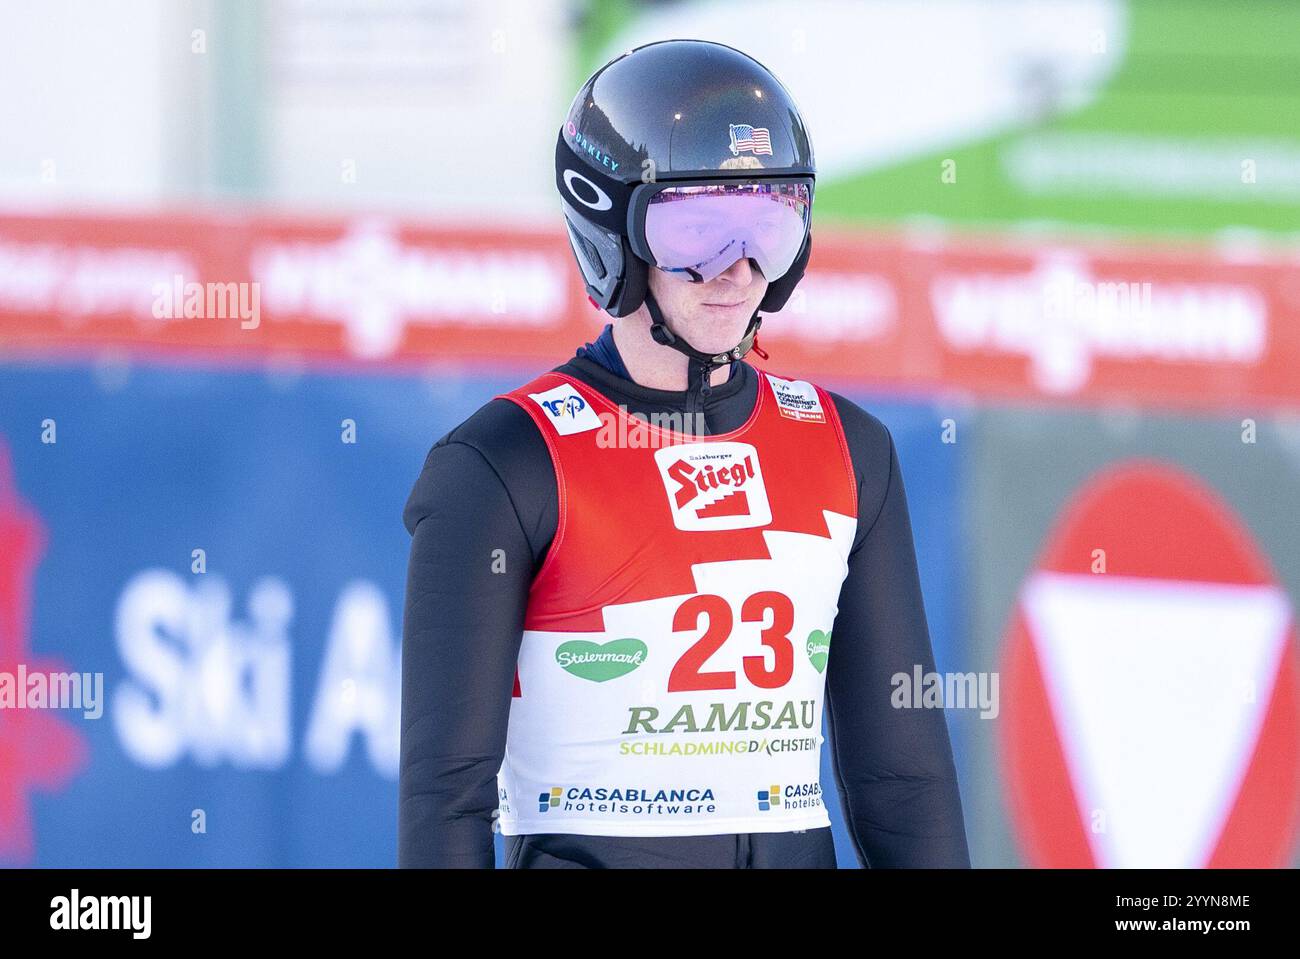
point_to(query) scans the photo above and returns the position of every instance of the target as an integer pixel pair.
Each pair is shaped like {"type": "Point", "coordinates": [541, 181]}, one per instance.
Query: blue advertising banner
{"type": "Point", "coordinates": [224, 547]}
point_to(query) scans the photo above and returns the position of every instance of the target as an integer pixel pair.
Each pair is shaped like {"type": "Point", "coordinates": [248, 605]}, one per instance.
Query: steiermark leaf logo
{"type": "Point", "coordinates": [600, 662]}
{"type": "Point", "coordinates": [819, 647]}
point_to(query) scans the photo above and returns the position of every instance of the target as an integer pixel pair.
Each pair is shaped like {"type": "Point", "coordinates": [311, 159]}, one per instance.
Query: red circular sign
{"type": "Point", "coordinates": [1151, 685]}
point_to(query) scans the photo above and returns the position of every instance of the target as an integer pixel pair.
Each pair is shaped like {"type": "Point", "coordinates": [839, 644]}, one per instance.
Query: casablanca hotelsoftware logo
{"type": "Point", "coordinates": [1150, 685]}
{"type": "Point", "coordinates": [38, 751]}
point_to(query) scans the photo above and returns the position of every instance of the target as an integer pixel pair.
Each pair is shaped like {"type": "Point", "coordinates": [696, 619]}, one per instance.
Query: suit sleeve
{"type": "Point", "coordinates": [893, 767]}
{"type": "Point", "coordinates": [466, 592]}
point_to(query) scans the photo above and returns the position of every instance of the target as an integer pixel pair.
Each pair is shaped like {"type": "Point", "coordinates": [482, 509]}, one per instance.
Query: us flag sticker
{"type": "Point", "coordinates": [744, 137]}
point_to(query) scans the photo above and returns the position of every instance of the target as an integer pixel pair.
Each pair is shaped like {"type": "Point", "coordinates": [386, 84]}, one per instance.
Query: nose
{"type": "Point", "coordinates": [741, 273]}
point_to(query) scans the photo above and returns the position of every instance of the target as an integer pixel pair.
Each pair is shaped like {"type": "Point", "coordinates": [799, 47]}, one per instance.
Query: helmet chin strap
{"type": "Point", "coordinates": [664, 336]}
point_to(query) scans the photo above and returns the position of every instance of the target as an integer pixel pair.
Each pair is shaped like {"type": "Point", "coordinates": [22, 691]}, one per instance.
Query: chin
{"type": "Point", "coordinates": [718, 332]}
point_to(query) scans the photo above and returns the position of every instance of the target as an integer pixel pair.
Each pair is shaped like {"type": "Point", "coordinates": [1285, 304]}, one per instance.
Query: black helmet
{"type": "Point", "coordinates": [665, 121]}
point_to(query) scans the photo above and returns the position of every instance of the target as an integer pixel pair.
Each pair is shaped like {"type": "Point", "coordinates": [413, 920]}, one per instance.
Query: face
{"type": "Point", "coordinates": [711, 316]}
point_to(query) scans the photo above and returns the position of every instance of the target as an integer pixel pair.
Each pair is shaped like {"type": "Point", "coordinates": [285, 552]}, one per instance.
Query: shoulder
{"type": "Point", "coordinates": [871, 451]}
{"type": "Point", "coordinates": [865, 432]}
{"type": "Point", "coordinates": [504, 424]}
{"type": "Point", "coordinates": [498, 443]}
{"type": "Point", "coordinates": [867, 436]}
{"type": "Point", "coordinates": [875, 461]}
{"type": "Point", "coordinates": [498, 430]}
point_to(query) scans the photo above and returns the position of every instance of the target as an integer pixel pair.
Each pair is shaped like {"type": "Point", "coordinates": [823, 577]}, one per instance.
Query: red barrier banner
{"type": "Point", "coordinates": [1154, 325]}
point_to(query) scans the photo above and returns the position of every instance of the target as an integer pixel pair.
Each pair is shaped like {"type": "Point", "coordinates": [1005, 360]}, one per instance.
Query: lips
{"type": "Point", "coordinates": [737, 303]}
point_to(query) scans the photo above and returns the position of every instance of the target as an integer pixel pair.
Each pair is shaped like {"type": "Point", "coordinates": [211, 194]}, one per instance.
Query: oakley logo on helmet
{"type": "Point", "coordinates": [589, 148]}
{"type": "Point", "coordinates": [600, 199]}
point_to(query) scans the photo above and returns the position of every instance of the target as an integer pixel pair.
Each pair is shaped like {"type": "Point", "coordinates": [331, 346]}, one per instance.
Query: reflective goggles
{"type": "Point", "coordinates": [697, 230]}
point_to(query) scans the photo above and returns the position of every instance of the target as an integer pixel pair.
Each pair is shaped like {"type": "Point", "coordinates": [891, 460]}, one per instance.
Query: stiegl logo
{"type": "Point", "coordinates": [714, 486]}
{"type": "Point", "coordinates": [109, 913]}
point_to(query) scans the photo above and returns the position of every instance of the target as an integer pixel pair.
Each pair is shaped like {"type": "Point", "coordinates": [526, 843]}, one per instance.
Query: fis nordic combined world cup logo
{"type": "Point", "coordinates": [797, 400]}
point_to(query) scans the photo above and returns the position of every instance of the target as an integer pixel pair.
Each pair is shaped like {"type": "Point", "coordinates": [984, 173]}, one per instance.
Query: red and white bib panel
{"type": "Point", "coordinates": [671, 675]}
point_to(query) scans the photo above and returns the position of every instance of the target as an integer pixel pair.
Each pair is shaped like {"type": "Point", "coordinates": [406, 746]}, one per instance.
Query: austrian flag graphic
{"type": "Point", "coordinates": [1151, 707]}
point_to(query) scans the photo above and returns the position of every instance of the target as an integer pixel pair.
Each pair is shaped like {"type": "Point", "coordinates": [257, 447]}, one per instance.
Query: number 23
{"type": "Point", "coordinates": [687, 674]}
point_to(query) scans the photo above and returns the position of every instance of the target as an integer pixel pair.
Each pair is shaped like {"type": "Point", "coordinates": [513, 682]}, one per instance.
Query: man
{"type": "Point", "coordinates": [625, 575]}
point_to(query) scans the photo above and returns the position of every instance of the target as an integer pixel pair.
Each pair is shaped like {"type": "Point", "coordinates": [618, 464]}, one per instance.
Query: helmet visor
{"type": "Point", "coordinates": [696, 232]}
